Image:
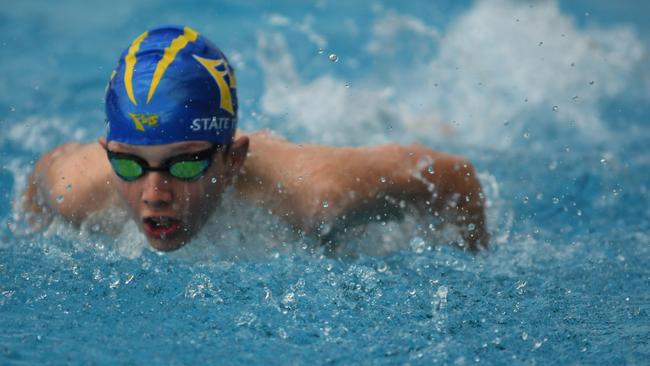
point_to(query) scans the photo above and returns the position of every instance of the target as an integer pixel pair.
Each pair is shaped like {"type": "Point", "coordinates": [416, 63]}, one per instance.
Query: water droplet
{"type": "Point", "coordinates": [326, 204]}
{"type": "Point", "coordinates": [382, 179]}
{"type": "Point", "coordinates": [556, 200]}
{"type": "Point", "coordinates": [505, 123]}
{"type": "Point", "coordinates": [591, 82]}
{"type": "Point", "coordinates": [320, 51]}
{"type": "Point", "coordinates": [573, 64]}
{"type": "Point", "coordinates": [579, 213]}
{"type": "Point", "coordinates": [347, 85]}
{"type": "Point", "coordinates": [575, 98]}
{"type": "Point", "coordinates": [412, 292]}
{"type": "Point", "coordinates": [540, 43]}
{"type": "Point", "coordinates": [418, 244]}
{"type": "Point", "coordinates": [524, 336]}
{"type": "Point", "coordinates": [526, 135]}
{"type": "Point", "coordinates": [555, 108]}
{"type": "Point", "coordinates": [525, 100]}
{"type": "Point", "coordinates": [430, 170]}
{"type": "Point", "coordinates": [382, 267]}
{"type": "Point", "coordinates": [471, 227]}
{"type": "Point", "coordinates": [603, 161]}
{"type": "Point", "coordinates": [525, 200]}
{"type": "Point", "coordinates": [68, 187]}
{"type": "Point", "coordinates": [333, 57]}
{"type": "Point", "coordinates": [442, 292]}
{"type": "Point", "coordinates": [213, 180]}
{"type": "Point", "coordinates": [12, 108]}
{"type": "Point", "coordinates": [59, 198]}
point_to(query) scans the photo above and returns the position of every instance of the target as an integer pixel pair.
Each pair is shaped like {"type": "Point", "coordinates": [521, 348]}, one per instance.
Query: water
{"type": "Point", "coordinates": [550, 101]}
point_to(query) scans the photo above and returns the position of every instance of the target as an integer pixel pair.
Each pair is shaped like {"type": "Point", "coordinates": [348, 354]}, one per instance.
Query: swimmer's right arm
{"type": "Point", "coordinates": [72, 181]}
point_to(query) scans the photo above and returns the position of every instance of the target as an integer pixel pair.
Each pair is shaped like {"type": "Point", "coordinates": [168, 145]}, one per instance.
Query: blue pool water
{"type": "Point", "coordinates": [549, 100]}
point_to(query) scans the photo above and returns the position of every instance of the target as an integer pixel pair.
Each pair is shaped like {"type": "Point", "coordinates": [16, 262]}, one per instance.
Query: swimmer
{"type": "Point", "coordinates": [172, 147]}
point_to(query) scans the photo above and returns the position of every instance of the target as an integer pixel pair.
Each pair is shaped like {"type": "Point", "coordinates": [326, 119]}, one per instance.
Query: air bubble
{"type": "Point", "coordinates": [326, 204]}
{"type": "Point", "coordinates": [59, 198]}
{"type": "Point", "coordinates": [320, 51]}
{"type": "Point", "coordinates": [555, 108]}
{"type": "Point", "coordinates": [333, 57]}
{"type": "Point", "coordinates": [213, 180]}
{"type": "Point", "coordinates": [430, 170]}
{"type": "Point", "coordinates": [68, 187]}
{"type": "Point", "coordinates": [556, 200]}
{"type": "Point", "coordinates": [591, 82]}
{"type": "Point", "coordinates": [526, 135]}
{"type": "Point", "coordinates": [347, 85]}
{"type": "Point", "coordinates": [382, 179]}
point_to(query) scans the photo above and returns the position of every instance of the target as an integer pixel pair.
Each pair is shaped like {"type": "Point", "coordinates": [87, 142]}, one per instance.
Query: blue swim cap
{"type": "Point", "coordinates": [171, 85]}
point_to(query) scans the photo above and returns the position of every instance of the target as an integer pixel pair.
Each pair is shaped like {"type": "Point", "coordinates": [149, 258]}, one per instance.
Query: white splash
{"type": "Point", "coordinates": [507, 61]}
{"type": "Point", "coordinates": [498, 71]}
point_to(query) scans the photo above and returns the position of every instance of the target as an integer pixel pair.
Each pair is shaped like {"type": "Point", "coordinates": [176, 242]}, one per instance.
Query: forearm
{"type": "Point", "coordinates": [444, 185]}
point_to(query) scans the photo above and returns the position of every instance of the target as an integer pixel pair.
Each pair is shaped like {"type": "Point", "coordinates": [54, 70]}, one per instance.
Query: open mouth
{"type": "Point", "coordinates": [161, 227]}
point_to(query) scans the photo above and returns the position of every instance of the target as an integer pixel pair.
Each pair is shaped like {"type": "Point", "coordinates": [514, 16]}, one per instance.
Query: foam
{"type": "Point", "coordinates": [497, 72]}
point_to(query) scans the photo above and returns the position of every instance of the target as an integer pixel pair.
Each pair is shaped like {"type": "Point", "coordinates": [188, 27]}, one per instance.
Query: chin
{"type": "Point", "coordinates": [166, 245]}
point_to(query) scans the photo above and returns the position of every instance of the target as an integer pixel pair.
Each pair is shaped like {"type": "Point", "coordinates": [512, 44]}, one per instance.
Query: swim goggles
{"type": "Point", "coordinates": [187, 167]}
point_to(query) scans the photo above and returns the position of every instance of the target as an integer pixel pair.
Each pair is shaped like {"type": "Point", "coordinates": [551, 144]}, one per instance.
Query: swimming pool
{"type": "Point", "coordinates": [550, 101]}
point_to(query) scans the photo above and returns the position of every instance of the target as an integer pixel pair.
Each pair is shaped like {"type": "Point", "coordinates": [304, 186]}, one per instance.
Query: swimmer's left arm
{"type": "Point", "coordinates": [312, 184]}
{"type": "Point", "coordinates": [436, 182]}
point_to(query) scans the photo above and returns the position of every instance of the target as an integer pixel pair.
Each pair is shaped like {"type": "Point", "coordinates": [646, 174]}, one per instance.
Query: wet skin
{"type": "Point", "coordinates": [171, 211]}
{"type": "Point", "coordinates": [289, 179]}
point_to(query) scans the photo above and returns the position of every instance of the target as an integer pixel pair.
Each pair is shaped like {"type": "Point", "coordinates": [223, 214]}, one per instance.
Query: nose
{"type": "Point", "coordinates": [157, 192]}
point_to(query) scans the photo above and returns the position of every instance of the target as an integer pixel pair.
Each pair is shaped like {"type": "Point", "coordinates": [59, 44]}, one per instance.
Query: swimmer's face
{"type": "Point", "coordinates": [168, 210]}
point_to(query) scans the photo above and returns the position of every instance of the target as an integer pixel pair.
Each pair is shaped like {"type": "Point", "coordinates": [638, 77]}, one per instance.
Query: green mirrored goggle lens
{"type": "Point", "coordinates": [127, 169]}
{"type": "Point", "coordinates": [188, 169]}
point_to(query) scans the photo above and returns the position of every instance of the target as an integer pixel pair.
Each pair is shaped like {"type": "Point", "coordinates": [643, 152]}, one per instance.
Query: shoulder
{"type": "Point", "coordinates": [72, 180]}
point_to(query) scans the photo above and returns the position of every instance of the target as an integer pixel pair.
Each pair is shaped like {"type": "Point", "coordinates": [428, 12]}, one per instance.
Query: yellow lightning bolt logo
{"type": "Point", "coordinates": [180, 42]}
{"type": "Point", "coordinates": [219, 77]}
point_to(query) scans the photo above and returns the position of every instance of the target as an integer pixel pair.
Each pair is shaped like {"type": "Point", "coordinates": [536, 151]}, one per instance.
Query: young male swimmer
{"type": "Point", "coordinates": [172, 147]}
